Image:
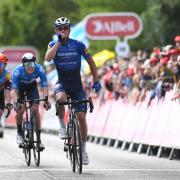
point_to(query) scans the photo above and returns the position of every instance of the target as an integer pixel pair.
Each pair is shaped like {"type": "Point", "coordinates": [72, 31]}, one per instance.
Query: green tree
{"type": "Point", "coordinates": [30, 22]}
{"type": "Point", "coordinates": [161, 24]}
{"type": "Point", "coordinates": [26, 22]}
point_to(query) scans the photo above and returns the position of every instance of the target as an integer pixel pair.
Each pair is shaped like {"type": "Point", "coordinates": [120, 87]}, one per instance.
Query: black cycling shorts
{"type": "Point", "coordinates": [2, 102]}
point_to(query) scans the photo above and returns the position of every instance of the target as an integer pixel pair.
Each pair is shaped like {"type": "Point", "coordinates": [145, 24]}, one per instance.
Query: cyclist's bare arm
{"type": "Point", "coordinates": [176, 96]}
{"type": "Point", "coordinates": [15, 93]}
{"type": "Point", "coordinates": [93, 69]}
{"type": "Point", "coordinates": [50, 53]}
{"type": "Point", "coordinates": [45, 91]}
{"type": "Point", "coordinates": [7, 94]}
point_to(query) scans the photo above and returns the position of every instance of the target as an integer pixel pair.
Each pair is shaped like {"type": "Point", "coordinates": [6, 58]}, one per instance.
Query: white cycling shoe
{"type": "Point", "coordinates": [19, 138]}
{"type": "Point", "coordinates": [62, 133]}
{"type": "Point", "coordinates": [85, 159]}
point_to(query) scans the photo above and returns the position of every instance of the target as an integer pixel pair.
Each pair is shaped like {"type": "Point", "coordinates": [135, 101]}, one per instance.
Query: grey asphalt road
{"type": "Point", "coordinates": [105, 163]}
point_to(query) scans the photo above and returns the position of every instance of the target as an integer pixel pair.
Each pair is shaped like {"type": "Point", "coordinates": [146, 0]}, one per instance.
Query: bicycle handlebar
{"type": "Point", "coordinates": [34, 100]}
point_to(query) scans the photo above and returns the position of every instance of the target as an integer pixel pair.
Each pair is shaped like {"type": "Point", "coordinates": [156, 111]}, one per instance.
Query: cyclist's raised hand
{"type": "Point", "coordinates": [59, 38]}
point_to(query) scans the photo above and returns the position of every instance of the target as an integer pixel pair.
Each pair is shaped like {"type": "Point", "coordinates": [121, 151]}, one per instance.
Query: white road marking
{"type": "Point", "coordinates": [46, 169]}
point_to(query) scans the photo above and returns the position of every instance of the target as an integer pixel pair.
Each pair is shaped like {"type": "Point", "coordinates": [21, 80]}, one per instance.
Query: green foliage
{"type": "Point", "coordinates": [160, 22]}
{"type": "Point", "coordinates": [30, 22]}
{"type": "Point", "coordinates": [26, 22]}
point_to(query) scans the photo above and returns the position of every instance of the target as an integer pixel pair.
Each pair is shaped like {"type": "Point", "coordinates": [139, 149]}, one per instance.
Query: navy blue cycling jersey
{"type": "Point", "coordinates": [21, 78]}
{"type": "Point", "coordinates": [68, 63]}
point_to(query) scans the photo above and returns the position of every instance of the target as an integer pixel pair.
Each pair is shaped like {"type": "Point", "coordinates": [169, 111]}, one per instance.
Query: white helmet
{"type": "Point", "coordinates": [62, 21]}
{"type": "Point", "coordinates": [28, 57]}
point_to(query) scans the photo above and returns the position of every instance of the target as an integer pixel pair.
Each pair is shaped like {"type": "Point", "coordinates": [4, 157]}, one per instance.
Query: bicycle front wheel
{"type": "Point", "coordinates": [78, 147]}
{"type": "Point", "coordinates": [71, 147]}
{"type": "Point", "coordinates": [36, 149]}
{"type": "Point", "coordinates": [27, 153]}
{"type": "Point", "coordinates": [27, 148]}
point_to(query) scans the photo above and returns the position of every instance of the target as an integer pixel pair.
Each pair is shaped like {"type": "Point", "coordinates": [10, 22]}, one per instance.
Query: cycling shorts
{"type": "Point", "coordinates": [31, 90]}
{"type": "Point", "coordinates": [74, 95]}
{"type": "Point", "coordinates": [2, 102]}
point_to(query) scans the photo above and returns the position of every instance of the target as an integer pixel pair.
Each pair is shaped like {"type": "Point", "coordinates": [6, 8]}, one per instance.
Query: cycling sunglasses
{"type": "Point", "coordinates": [2, 65]}
{"type": "Point", "coordinates": [65, 28]}
{"type": "Point", "coordinates": [29, 65]}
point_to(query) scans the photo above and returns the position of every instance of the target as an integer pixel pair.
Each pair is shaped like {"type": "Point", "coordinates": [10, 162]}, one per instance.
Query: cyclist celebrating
{"type": "Point", "coordinates": [66, 54]}
{"type": "Point", "coordinates": [24, 80]}
{"type": "Point", "coordinates": [5, 87]}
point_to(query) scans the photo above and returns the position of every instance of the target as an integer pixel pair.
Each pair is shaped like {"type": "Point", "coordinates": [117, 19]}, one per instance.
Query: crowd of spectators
{"type": "Point", "coordinates": [144, 74]}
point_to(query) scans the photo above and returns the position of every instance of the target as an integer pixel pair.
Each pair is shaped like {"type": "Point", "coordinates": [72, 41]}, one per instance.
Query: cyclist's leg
{"type": "Point", "coordinates": [1, 113]}
{"type": "Point", "coordinates": [33, 93]}
{"type": "Point", "coordinates": [19, 119]}
{"type": "Point", "coordinates": [61, 96]}
{"type": "Point", "coordinates": [2, 105]}
{"type": "Point", "coordinates": [83, 125]}
{"type": "Point", "coordinates": [35, 109]}
{"type": "Point", "coordinates": [81, 113]}
{"type": "Point", "coordinates": [83, 129]}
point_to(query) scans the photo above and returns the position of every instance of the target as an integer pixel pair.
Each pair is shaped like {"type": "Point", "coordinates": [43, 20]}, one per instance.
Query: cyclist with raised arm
{"type": "Point", "coordinates": [5, 87]}
{"type": "Point", "coordinates": [24, 80]}
{"type": "Point", "coordinates": [66, 54]}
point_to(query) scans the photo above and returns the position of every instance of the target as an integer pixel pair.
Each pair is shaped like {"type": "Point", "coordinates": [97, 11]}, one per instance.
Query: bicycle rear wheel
{"type": "Point", "coordinates": [36, 149]}
{"type": "Point", "coordinates": [78, 147]}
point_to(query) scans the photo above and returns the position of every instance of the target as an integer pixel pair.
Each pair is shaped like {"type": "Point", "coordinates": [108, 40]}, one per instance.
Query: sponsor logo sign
{"type": "Point", "coordinates": [102, 26]}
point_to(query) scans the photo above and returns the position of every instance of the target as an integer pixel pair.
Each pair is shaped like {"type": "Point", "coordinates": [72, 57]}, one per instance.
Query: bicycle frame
{"type": "Point", "coordinates": [31, 136]}
{"type": "Point", "coordinates": [73, 145]}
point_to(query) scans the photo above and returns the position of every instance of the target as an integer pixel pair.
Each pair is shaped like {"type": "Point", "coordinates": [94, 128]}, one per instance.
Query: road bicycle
{"type": "Point", "coordinates": [30, 133]}
{"type": "Point", "coordinates": [73, 144]}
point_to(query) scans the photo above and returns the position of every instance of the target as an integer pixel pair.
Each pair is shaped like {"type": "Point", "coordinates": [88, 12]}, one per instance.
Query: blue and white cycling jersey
{"type": "Point", "coordinates": [68, 63]}
{"type": "Point", "coordinates": [21, 79]}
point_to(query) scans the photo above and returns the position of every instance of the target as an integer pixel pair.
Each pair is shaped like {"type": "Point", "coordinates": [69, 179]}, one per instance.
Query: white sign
{"type": "Point", "coordinates": [122, 49]}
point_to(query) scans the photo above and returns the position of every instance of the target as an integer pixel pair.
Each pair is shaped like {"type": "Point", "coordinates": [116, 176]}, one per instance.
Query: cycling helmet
{"type": "Point", "coordinates": [62, 21]}
{"type": "Point", "coordinates": [3, 58]}
{"type": "Point", "coordinates": [28, 57]}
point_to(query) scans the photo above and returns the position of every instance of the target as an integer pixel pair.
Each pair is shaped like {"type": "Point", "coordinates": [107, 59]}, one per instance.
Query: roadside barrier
{"type": "Point", "coordinates": [154, 130]}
